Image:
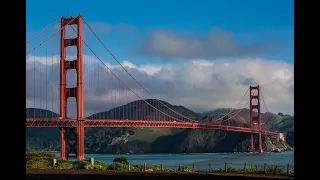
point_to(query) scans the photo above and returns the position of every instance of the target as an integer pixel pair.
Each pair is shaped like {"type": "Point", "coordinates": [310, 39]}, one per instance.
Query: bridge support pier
{"type": "Point", "coordinates": [71, 139]}
{"type": "Point", "coordinates": [252, 142]}
{"type": "Point", "coordinates": [255, 117]}
{"type": "Point", "coordinates": [260, 143]}
{"type": "Point", "coordinates": [80, 139]}
{"type": "Point", "coordinates": [63, 144]}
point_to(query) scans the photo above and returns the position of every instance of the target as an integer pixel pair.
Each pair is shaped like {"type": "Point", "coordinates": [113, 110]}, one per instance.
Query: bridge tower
{"type": "Point", "coordinates": [71, 139]}
{"type": "Point", "coordinates": [255, 104]}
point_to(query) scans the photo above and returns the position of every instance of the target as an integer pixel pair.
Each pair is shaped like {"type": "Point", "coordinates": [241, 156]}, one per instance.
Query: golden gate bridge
{"type": "Point", "coordinates": [130, 103]}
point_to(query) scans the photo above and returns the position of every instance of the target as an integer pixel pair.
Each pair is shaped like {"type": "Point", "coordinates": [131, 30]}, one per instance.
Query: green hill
{"type": "Point", "coordinates": [98, 140]}
{"type": "Point", "coordinates": [41, 138]}
{"type": "Point", "coordinates": [205, 141]}
{"type": "Point", "coordinates": [219, 111]}
{"type": "Point", "coordinates": [162, 140]}
{"type": "Point", "coordinates": [138, 136]}
{"type": "Point", "coordinates": [136, 110]}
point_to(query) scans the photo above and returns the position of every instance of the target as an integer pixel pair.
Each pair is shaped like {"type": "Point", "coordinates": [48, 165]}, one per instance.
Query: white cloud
{"type": "Point", "coordinates": [205, 85]}
{"type": "Point", "coordinates": [149, 69]}
{"type": "Point", "coordinates": [49, 60]}
{"type": "Point", "coordinates": [200, 85]}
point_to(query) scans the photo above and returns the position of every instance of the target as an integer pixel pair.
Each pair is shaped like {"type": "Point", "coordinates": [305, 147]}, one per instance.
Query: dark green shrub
{"type": "Point", "coordinates": [41, 164]}
{"type": "Point", "coordinates": [28, 166]}
{"type": "Point", "coordinates": [169, 170]}
{"type": "Point", "coordinates": [41, 155]}
{"type": "Point", "coordinates": [184, 169]}
{"type": "Point", "coordinates": [155, 167]}
{"type": "Point", "coordinates": [39, 160]}
{"type": "Point", "coordinates": [254, 170]}
{"type": "Point", "coordinates": [278, 171]}
{"type": "Point", "coordinates": [118, 166]}
{"type": "Point", "coordinates": [103, 165]}
{"type": "Point", "coordinates": [96, 166]}
{"type": "Point", "coordinates": [121, 159]}
{"type": "Point", "coordinates": [100, 162]}
{"type": "Point", "coordinates": [89, 166]}
{"type": "Point", "coordinates": [234, 170]}
{"type": "Point", "coordinates": [80, 164]}
{"type": "Point", "coordinates": [64, 165]}
{"type": "Point", "coordinates": [136, 167]}
{"type": "Point", "coordinates": [219, 170]}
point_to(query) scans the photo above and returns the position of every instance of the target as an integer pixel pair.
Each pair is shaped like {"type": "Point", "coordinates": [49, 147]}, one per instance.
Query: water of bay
{"type": "Point", "coordinates": [202, 160]}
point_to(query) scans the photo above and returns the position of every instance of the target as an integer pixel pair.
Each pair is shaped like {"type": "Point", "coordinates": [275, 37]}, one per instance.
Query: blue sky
{"type": "Point", "coordinates": [267, 22]}
{"type": "Point", "coordinates": [204, 52]}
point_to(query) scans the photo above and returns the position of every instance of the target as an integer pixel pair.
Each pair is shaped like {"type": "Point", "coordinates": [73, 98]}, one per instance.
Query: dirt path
{"type": "Point", "coordinates": [65, 174]}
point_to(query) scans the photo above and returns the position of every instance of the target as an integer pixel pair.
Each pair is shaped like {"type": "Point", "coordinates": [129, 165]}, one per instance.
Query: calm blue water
{"type": "Point", "coordinates": [202, 161]}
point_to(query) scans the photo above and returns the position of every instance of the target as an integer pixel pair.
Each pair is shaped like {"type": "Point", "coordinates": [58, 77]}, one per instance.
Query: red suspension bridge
{"type": "Point", "coordinates": [98, 82]}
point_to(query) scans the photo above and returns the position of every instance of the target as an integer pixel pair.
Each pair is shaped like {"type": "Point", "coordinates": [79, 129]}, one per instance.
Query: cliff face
{"type": "Point", "coordinates": [200, 141]}
{"type": "Point", "coordinates": [272, 144]}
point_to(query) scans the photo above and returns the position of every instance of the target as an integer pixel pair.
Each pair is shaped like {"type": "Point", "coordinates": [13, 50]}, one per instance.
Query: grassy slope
{"type": "Point", "coordinates": [149, 135]}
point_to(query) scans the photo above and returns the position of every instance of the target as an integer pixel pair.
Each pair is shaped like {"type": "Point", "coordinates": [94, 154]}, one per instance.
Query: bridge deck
{"type": "Point", "coordinates": [56, 122]}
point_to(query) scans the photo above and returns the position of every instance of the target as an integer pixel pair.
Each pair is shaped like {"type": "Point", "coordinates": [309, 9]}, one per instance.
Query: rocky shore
{"type": "Point", "coordinates": [283, 149]}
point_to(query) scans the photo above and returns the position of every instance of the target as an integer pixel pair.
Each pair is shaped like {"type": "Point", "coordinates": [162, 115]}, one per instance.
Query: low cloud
{"type": "Point", "coordinates": [198, 84]}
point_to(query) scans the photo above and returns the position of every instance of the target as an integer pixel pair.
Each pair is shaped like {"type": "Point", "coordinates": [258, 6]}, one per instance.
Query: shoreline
{"type": "Point", "coordinates": [196, 153]}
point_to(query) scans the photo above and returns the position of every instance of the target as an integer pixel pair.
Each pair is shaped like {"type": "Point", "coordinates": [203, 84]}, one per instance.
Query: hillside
{"type": "Point", "coordinates": [98, 140]}
{"type": "Point", "coordinates": [138, 136]}
{"type": "Point", "coordinates": [210, 141]}
{"type": "Point", "coordinates": [218, 111]}
{"type": "Point", "coordinates": [191, 141]}
{"type": "Point", "coordinates": [162, 140]}
{"type": "Point", "coordinates": [273, 122]}
{"type": "Point", "coordinates": [135, 110]}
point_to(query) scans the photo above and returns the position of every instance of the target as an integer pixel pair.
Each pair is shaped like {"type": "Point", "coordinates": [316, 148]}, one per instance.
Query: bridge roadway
{"type": "Point", "coordinates": [56, 122]}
